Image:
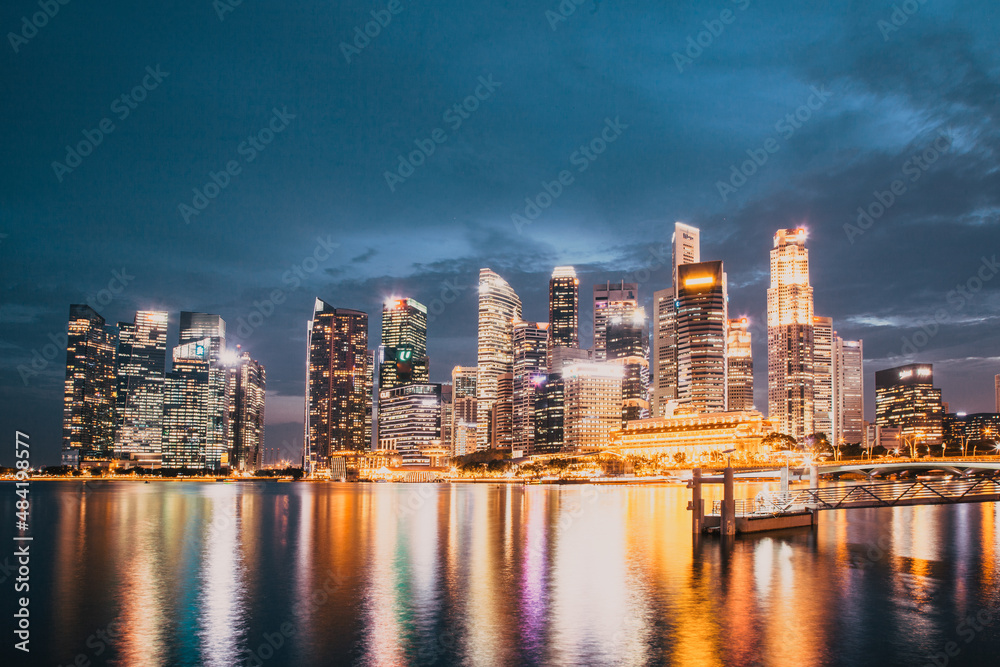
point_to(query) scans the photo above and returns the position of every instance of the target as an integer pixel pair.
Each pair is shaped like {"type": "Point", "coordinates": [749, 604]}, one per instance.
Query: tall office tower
{"type": "Point", "coordinates": [996, 388]}
{"type": "Point", "coordinates": [592, 397]}
{"type": "Point", "coordinates": [187, 406]}
{"type": "Point", "coordinates": [905, 398]}
{"type": "Point", "coordinates": [848, 391]}
{"type": "Point", "coordinates": [404, 339]}
{"type": "Point", "coordinates": [790, 336]}
{"type": "Point", "coordinates": [196, 327]}
{"type": "Point", "coordinates": [531, 349]}
{"type": "Point", "coordinates": [246, 379]}
{"type": "Point", "coordinates": [564, 309]}
{"type": "Point", "coordinates": [627, 344]}
{"type": "Point", "coordinates": [610, 300]}
{"type": "Point", "coordinates": [371, 405]}
{"type": "Point", "coordinates": [499, 308]}
{"type": "Point", "coordinates": [338, 393]}
{"type": "Point", "coordinates": [89, 392]}
{"type": "Point", "coordinates": [463, 412]}
{"type": "Point", "coordinates": [739, 362]}
{"type": "Point", "coordinates": [502, 414]}
{"type": "Point", "coordinates": [823, 376]}
{"type": "Point", "coordinates": [701, 319]}
{"type": "Point", "coordinates": [549, 407]}
{"type": "Point", "coordinates": [141, 360]}
{"type": "Point", "coordinates": [685, 248]}
{"type": "Point", "coordinates": [410, 420]}
{"type": "Point", "coordinates": [447, 414]}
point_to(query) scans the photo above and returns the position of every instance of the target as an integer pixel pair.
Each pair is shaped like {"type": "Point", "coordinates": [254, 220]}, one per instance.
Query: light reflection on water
{"type": "Point", "coordinates": [205, 573]}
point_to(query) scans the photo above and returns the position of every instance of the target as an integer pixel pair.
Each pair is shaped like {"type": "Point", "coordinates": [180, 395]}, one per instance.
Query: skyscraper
{"type": "Point", "coordinates": [463, 419]}
{"type": "Point", "coordinates": [564, 309]}
{"type": "Point", "coordinates": [499, 308]}
{"type": "Point", "coordinates": [685, 248]}
{"type": "Point", "coordinates": [592, 396]}
{"type": "Point", "coordinates": [531, 349]}
{"type": "Point", "coordinates": [502, 414]}
{"type": "Point", "coordinates": [246, 380]}
{"type": "Point", "coordinates": [187, 407]}
{"type": "Point", "coordinates": [549, 407]}
{"type": "Point", "coordinates": [739, 359]}
{"type": "Point", "coordinates": [790, 336]}
{"type": "Point", "coordinates": [996, 388]}
{"type": "Point", "coordinates": [823, 376]}
{"type": "Point", "coordinates": [628, 346]}
{"type": "Point", "coordinates": [410, 420]}
{"type": "Point", "coordinates": [196, 327]}
{"type": "Point", "coordinates": [141, 360]}
{"type": "Point", "coordinates": [848, 391]}
{"type": "Point", "coordinates": [404, 343]}
{"type": "Point", "coordinates": [338, 393]}
{"type": "Point", "coordinates": [701, 317]}
{"type": "Point", "coordinates": [906, 398]}
{"type": "Point", "coordinates": [89, 392]}
{"type": "Point", "coordinates": [610, 300]}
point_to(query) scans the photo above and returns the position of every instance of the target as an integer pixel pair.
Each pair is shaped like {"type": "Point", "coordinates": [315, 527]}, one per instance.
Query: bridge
{"type": "Point", "coordinates": [966, 483]}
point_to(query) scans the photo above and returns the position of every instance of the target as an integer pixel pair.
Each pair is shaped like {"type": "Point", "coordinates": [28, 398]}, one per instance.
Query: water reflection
{"type": "Point", "coordinates": [384, 574]}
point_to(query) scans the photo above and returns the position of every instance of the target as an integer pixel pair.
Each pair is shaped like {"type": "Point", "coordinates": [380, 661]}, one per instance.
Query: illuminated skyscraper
{"type": "Point", "coordinates": [739, 359]}
{"type": "Point", "coordinates": [701, 318]}
{"type": "Point", "coordinates": [549, 407]}
{"type": "Point", "coordinates": [246, 390]}
{"type": "Point", "coordinates": [338, 391]}
{"type": "Point", "coordinates": [502, 414]}
{"type": "Point", "coordinates": [89, 392]}
{"type": "Point", "coordinates": [187, 406]}
{"type": "Point", "coordinates": [823, 376]}
{"type": "Point", "coordinates": [141, 360]}
{"type": "Point", "coordinates": [196, 327]}
{"type": "Point", "coordinates": [848, 391]}
{"type": "Point", "coordinates": [790, 336]}
{"type": "Point", "coordinates": [685, 248]}
{"type": "Point", "coordinates": [499, 308]}
{"type": "Point", "coordinates": [564, 308]}
{"type": "Point", "coordinates": [410, 420]}
{"type": "Point", "coordinates": [610, 300]}
{"type": "Point", "coordinates": [531, 341]}
{"type": "Point", "coordinates": [627, 345]}
{"type": "Point", "coordinates": [593, 400]}
{"type": "Point", "coordinates": [404, 343]}
{"type": "Point", "coordinates": [463, 412]}
{"type": "Point", "coordinates": [996, 388]}
{"type": "Point", "coordinates": [905, 398]}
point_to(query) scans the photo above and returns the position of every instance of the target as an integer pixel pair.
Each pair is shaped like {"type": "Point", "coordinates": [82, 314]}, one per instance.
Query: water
{"type": "Point", "coordinates": [440, 574]}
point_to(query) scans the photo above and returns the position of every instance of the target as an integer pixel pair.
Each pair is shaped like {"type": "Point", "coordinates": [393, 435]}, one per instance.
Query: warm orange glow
{"type": "Point", "coordinates": [703, 280]}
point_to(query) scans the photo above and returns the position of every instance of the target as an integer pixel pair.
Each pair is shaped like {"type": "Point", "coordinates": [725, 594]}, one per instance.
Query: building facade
{"type": "Point", "coordinates": [823, 377]}
{"type": "Point", "coordinates": [628, 346]}
{"type": "Point", "coordinates": [141, 360]}
{"type": "Point", "coordinates": [246, 380]}
{"type": "Point", "coordinates": [905, 398]}
{"type": "Point", "coordinates": [848, 391]}
{"type": "Point", "coordinates": [701, 315]}
{"type": "Point", "coordinates": [499, 308]}
{"type": "Point", "coordinates": [592, 395]}
{"type": "Point", "coordinates": [739, 364]}
{"type": "Point", "coordinates": [463, 411]}
{"type": "Point", "coordinates": [531, 354]}
{"type": "Point", "coordinates": [564, 309]}
{"type": "Point", "coordinates": [610, 300]}
{"type": "Point", "coordinates": [410, 421]}
{"type": "Point", "coordinates": [89, 390]}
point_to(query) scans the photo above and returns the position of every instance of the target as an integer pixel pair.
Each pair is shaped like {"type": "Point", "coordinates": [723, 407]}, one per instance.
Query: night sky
{"type": "Point", "coordinates": [299, 123]}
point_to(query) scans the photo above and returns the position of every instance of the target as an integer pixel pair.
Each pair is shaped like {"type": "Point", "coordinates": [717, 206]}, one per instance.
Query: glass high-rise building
{"type": "Point", "coordinates": [141, 360]}
{"type": "Point", "coordinates": [463, 411]}
{"type": "Point", "coordinates": [790, 393]}
{"type": "Point", "coordinates": [404, 343]}
{"type": "Point", "coordinates": [549, 407]}
{"type": "Point", "coordinates": [531, 350]}
{"type": "Point", "coordinates": [89, 391]}
{"type": "Point", "coordinates": [823, 409]}
{"type": "Point", "coordinates": [739, 360]}
{"type": "Point", "coordinates": [195, 327]}
{"type": "Point", "coordinates": [246, 380]}
{"type": "Point", "coordinates": [610, 300]}
{"type": "Point", "coordinates": [701, 320]}
{"type": "Point", "coordinates": [905, 398]}
{"type": "Point", "coordinates": [564, 309]}
{"type": "Point", "coordinates": [627, 344]}
{"type": "Point", "coordinates": [338, 391]}
{"type": "Point", "coordinates": [187, 408]}
{"type": "Point", "coordinates": [848, 391]}
{"type": "Point", "coordinates": [410, 420]}
{"type": "Point", "coordinates": [499, 308]}
{"type": "Point", "coordinates": [592, 395]}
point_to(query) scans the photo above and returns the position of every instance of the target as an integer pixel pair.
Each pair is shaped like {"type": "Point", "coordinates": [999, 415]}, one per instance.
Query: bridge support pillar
{"type": "Point", "coordinates": [728, 518]}
{"type": "Point", "coordinates": [697, 505]}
